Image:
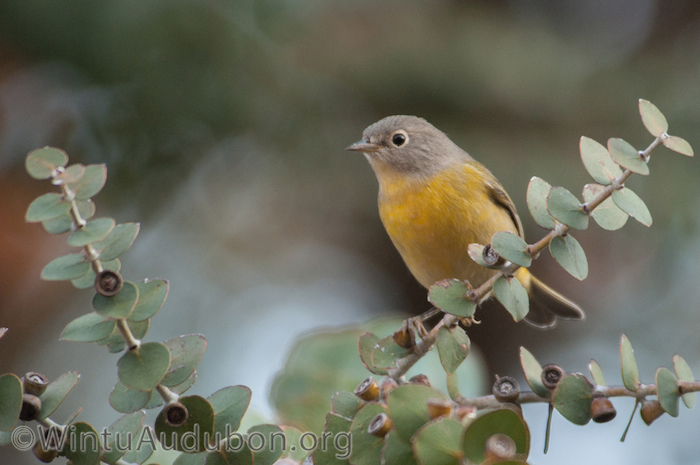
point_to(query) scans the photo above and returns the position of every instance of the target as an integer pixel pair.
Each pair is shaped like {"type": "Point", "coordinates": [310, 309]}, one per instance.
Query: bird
{"type": "Point", "coordinates": [435, 199]}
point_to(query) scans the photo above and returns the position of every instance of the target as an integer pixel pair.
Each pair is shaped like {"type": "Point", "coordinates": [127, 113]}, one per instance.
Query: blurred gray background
{"type": "Point", "coordinates": [223, 125]}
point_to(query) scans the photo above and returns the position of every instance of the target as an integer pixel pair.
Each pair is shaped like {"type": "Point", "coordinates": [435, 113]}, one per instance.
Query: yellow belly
{"type": "Point", "coordinates": [432, 221]}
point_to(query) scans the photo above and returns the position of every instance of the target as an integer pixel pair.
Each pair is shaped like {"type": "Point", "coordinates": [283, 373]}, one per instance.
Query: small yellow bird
{"type": "Point", "coordinates": [435, 200]}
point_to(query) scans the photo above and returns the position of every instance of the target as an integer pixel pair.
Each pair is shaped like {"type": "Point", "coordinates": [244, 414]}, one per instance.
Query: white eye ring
{"type": "Point", "coordinates": [399, 138]}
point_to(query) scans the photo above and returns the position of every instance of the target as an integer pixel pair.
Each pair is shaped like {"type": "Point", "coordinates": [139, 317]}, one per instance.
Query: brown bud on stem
{"type": "Point", "coordinates": [602, 410]}
{"type": "Point", "coordinates": [31, 406]}
{"type": "Point", "coordinates": [491, 257]}
{"type": "Point", "coordinates": [404, 337]}
{"type": "Point", "coordinates": [108, 283]}
{"type": "Point", "coordinates": [380, 425]}
{"type": "Point", "coordinates": [499, 448]}
{"type": "Point", "coordinates": [465, 412]}
{"type": "Point", "coordinates": [46, 456]}
{"type": "Point", "coordinates": [651, 410]}
{"type": "Point", "coordinates": [34, 383]}
{"type": "Point", "coordinates": [506, 389]}
{"type": "Point", "coordinates": [420, 379]}
{"type": "Point", "coordinates": [388, 385]}
{"type": "Point", "coordinates": [175, 414]}
{"type": "Point", "coordinates": [368, 390]}
{"type": "Point", "coordinates": [440, 408]}
{"type": "Point", "coordinates": [551, 375]}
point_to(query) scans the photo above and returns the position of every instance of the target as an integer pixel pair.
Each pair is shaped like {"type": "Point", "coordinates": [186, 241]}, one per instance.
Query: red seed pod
{"type": "Point", "coordinates": [34, 383]}
{"type": "Point", "coordinates": [380, 425]}
{"type": "Point", "coordinates": [440, 408]}
{"type": "Point", "coordinates": [500, 448]}
{"type": "Point", "coordinates": [368, 390]}
{"type": "Point", "coordinates": [108, 283]}
{"type": "Point", "coordinates": [175, 414]}
{"type": "Point", "coordinates": [551, 375]}
{"type": "Point", "coordinates": [651, 410]}
{"type": "Point", "coordinates": [420, 379]}
{"type": "Point", "coordinates": [506, 389]}
{"type": "Point", "coordinates": [602, 410]}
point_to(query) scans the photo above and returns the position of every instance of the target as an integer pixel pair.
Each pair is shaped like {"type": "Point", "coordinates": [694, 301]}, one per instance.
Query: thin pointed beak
{"type": "Point", "coordinates": [363, 146]}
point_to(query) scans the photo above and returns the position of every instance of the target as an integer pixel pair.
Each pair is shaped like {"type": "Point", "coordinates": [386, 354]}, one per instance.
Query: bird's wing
{"type": "Point", "coordinates": [499, 195]}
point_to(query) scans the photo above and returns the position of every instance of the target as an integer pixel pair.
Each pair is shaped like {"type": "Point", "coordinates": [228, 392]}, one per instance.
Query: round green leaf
{"type": "Point", "coordinates": [201, 413]}
{"type": "Point", "coordinates": [337, 450]}
{"type": "Point", "coordinates": [667, 390]}
{"type": "Point", "coordinates": [598, 161]}
{"type": "Point", "coordinates": [346, 404]}
{"type": "Point", "coordinates": [47, 207]}
{"type": "Point", "coordinates": [653, 119]}
{"type": "Point", "coordinates": [627, 156]}
{"type": "Point", "coordinates": [449, 296]}
{"type": "Point", "coordinates": [511, 247]}
{"type": "Point", "coordinates": [230, 404]}
{"type": "Point", "coordinates": [596, 373]}
{"type": "Point", "coordinates": [83, 447]}
{"type": "Point", "coordinates": [92, 182]}
{"type": "Point", "coordinates": [513, 296]}
{"type": "Point", "coordinates": [117, 306]}
{"type": "Point", "coordinates": [684, 374]}
{"type": "Point", "coordinates": [66, 267]}
{"type": "Point", "coordinates": [566, 208]}
{"type": "Point", "coordinates": [117, 241]}
{"type": "Point", "coordinates": [152, 295]}
{"type": "Point", "coordinates": [366, 448]}
{"type": "Point", "coordinates": [386, 353]}
{"type": "Point", "coordinates": [438, 442]}
{"type": "Point", "coordinates": [64, 223]}
{"type": "Point", "coordinates": [678, 144]}
{"type": "Point", "coordinates": [267, 442]}
{"type": "Point", "coordinates": [506, 419]}
{"type": "Point", "coordinates": [185, 352]}
{"type": "Point", "coordinates": [630, 203]}
{"type": "Point", "coordinates": [125, 400]}
{"type": "Point", "coordinates": [537, 192]}
{"type": "Point", "coordinates": [69, 175]}
{"type": "Point", "coordinates": [607, 214]}
{"type": "Point", "coordinates": [453, 347]}
{"type": "Point", "coordinates": [91, 327]}
{"type": "Point", "coordinates": [628, 363]}
{"type": "Point", "coordinates": [93, 231]}
{"type": "Point", "coordinates": [533, 373]}
{"type": "Point", "coordinates": [41, 163]}
{"type": "Point", "coordinates": [365, 345]}
{"type": "Point", "coordinates": [567, 251]}
{"type": "Point", "coordinates": [200, 458]}
{"type": "Point", "coordinates": [237, 453]}
{"type": "Point", "coordinates": [141, 449]}
{"type": "Point", "coordinates": [142, 369]}
{"type": "Point", "coordinates": [294, 449]}
{"type": "Point", "coordinates": [396, 450]}
{"type": "Point", "coordinates": [408, 405]}
{"type": "Point", "coordinates": [88, 279]}
{"type": "Point", "coordinates": [56, 392]}
{"type": "Point", "coordinates": [10, 401]}
{"type": "Point", "coordinates": [120, 433]}
{"type": "Point", "coordinates": [573, 397]}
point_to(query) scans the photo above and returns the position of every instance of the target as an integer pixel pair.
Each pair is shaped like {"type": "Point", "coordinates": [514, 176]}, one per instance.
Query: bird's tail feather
{"type": "Point", "coordinates": [546, 305]}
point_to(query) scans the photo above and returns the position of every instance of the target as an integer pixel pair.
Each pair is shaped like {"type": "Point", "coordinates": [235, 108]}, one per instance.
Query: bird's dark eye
{"type": "Point", "coordinates": [398, 139]}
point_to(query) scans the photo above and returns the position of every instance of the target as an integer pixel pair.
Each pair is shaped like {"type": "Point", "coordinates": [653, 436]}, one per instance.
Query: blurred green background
{"type": "Point", "coordinates": [223, 125]}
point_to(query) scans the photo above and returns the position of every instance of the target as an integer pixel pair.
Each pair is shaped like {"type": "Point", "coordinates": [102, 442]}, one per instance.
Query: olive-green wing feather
{"type": "Point", "coordinates": [499, 195]}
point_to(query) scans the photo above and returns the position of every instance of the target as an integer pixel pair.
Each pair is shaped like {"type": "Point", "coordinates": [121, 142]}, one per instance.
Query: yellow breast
{"type": "Point", "coordinates": [432, 220]}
